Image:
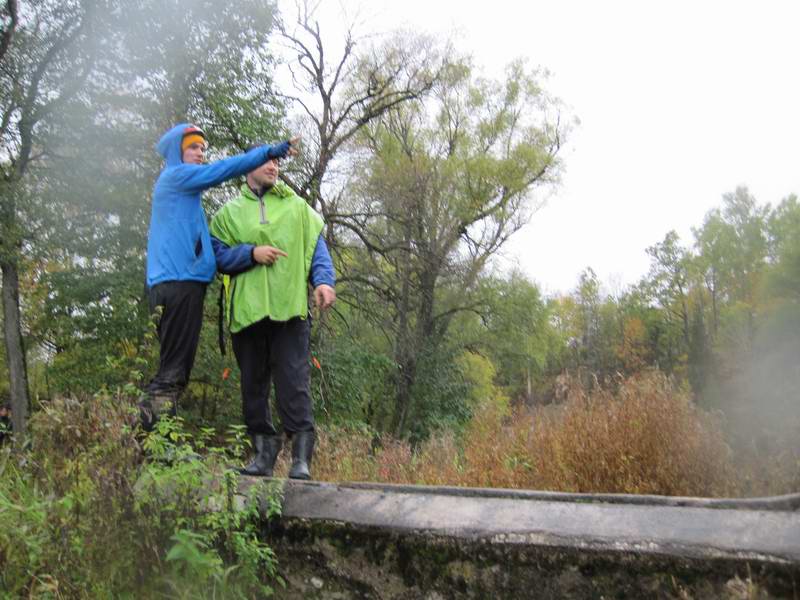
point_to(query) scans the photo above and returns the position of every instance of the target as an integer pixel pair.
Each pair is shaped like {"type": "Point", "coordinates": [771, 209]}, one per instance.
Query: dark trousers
{"type": "Point", "coordinates": [181, 306]}
{"type": "Point", "coordinates": [276, 351]}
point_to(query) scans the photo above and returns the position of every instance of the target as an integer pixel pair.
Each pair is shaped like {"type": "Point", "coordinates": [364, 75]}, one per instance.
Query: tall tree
{"type": "Point", "coordinates": [517, 333]}
{"type": "Point", "coordinates": [669, 279]}
{"type": "Point", "coordinates": [11, 13]}
{"type": "Point", "coordinates": [784, 249]}
{"type": "Point", "coordinates": [47, 56]}
{"type": "Point", "coordinates": [341, 87]}
{"type": "Point", "coordinates": [732, 244]}
{"type": "Point", "coordinates": [146, 67]}
{"type": "Point", "coordinates": [441, 186]}
{"type": "Point", "coordinates": [588, 301]}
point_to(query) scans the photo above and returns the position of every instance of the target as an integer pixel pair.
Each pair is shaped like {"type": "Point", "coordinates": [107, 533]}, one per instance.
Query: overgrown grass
{"type": "Point", "coordinates": [92, 511]}
{"type": "Point", "coordinates": [638, 436]}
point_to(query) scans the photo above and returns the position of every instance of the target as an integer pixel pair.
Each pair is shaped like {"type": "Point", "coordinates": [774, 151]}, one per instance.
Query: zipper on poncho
{"type": "Point", "coordinates": [263, 211]}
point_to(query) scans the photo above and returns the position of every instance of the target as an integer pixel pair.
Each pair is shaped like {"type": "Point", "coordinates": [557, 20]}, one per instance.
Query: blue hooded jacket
{"type": "Point", "coordinates": [178, 244]}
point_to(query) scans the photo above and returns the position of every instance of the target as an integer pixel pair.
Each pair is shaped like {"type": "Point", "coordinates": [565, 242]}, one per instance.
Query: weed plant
{"type": "Point", "coordinates": [93, 511]}
{"type": "Point", "coordinates": [640, 435]}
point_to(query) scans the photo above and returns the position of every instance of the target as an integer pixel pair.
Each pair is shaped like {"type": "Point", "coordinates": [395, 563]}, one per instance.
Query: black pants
{"type": "Point", "coordinates": [181, 306]}
{"type": "Point", "coordinates": [275, 350]}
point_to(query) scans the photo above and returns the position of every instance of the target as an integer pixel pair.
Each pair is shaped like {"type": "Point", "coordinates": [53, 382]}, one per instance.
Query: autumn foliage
{"type": "Point", "coordinates": [638, 436]}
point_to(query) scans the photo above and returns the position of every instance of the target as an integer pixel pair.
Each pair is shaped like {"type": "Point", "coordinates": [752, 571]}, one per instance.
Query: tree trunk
{"type": "Point", "coordinates": [529, 396]}
{"type": "Point", "coordinates": [406, 381]}
{"type": "Point", "coordinates": [15, 353]}
{"type": "Point", "coordinates": [403, 355]}
{"type": "Point", "coordinates": [412, 342]}
{"type": "Point", "coordinates": [714, 312]}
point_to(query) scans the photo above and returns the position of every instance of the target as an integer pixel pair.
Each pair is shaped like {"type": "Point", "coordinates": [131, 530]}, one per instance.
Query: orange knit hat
{"type": "Point", "coordinates": [193, 135]}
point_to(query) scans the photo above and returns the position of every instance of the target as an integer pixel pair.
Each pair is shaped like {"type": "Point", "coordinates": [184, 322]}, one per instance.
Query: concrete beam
{"type": "Point", "coordinates": [410, 541]}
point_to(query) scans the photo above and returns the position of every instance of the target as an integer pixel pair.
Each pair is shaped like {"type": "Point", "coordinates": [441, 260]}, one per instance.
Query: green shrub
{"type": "Point", "coordinates": [93, 511]}
{"type": "Point", "coordinates": [348, 384]}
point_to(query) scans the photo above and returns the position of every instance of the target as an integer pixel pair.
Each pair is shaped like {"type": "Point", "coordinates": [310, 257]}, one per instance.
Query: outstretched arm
{"type": "Point", "coordinates": [196, 178]}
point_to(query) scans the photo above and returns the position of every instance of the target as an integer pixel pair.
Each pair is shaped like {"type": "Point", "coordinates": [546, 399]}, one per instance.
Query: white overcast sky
{"type": "Point", "coordinates": [679, 103]}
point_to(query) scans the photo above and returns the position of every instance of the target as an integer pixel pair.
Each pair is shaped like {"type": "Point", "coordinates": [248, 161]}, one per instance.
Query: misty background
{"type": "Point", "coordinates": [428, 168]}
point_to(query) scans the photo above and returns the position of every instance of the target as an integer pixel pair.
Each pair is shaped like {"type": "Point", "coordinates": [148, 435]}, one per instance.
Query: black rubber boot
{"type": "Point", "coordinates": [267, 448]}
{"type": "Point", "coordinates": [302, 450]}
{"type": "Point", "coordinates": [154, 405]}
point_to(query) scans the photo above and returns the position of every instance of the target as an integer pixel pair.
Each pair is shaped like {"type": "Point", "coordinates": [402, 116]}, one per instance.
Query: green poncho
{"type": "Point", "coordinates": [278, 291]}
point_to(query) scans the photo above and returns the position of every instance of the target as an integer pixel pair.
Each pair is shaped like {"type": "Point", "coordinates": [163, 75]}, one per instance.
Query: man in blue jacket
{"type": "Point", "coordinates": [180, 258]}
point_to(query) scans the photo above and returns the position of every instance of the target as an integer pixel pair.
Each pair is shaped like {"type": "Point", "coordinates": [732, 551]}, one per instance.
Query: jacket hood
{"type": "Point", "coordinates": [169, 146]}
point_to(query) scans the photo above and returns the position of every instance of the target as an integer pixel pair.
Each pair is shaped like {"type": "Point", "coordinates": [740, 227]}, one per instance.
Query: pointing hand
{"type": "Point", "coordinates": [267, 255]}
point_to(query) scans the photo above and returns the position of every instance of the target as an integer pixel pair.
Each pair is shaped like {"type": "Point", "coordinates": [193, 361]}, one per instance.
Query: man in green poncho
{"type": "Point", "coordinates": [269, 241]}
